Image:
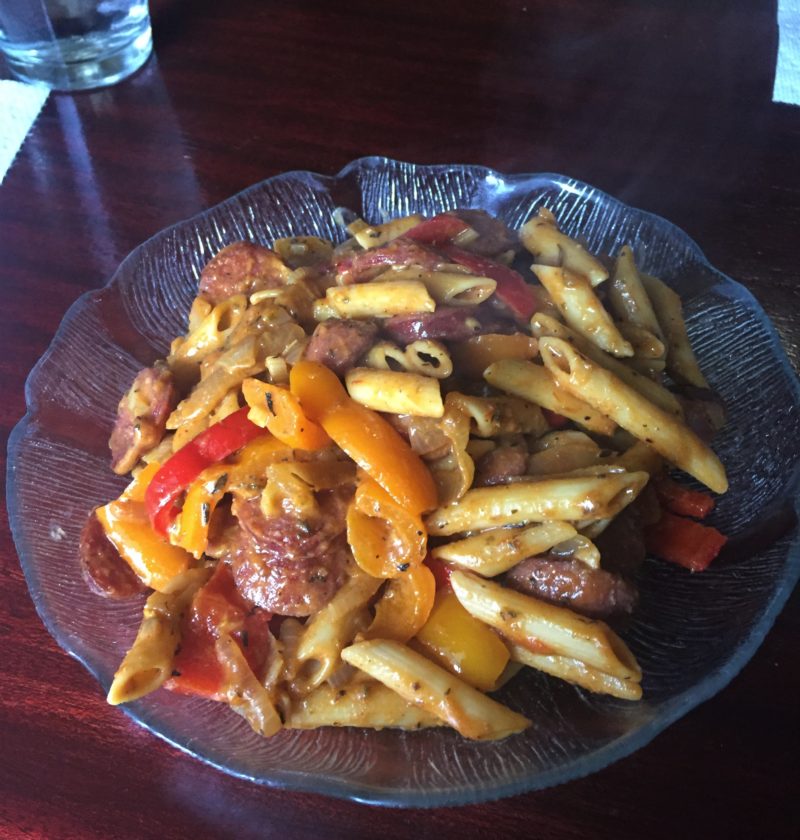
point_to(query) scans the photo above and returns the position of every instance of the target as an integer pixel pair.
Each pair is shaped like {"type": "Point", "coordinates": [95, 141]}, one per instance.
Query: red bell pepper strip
{"type": "Point", "coordinates": [511, 290]}
{"type": "Point", "coordinates": [438, 230]}
{"type": "Point", "coordinates": [179, 471]}
{"type": "Point", "coordinates": [681, 500]}
{"type": "Point", "coordinates": [684, 541]}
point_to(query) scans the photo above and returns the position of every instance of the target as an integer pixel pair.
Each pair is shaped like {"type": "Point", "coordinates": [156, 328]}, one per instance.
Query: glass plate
{"type": "Point", "coordinates": [691, 634]}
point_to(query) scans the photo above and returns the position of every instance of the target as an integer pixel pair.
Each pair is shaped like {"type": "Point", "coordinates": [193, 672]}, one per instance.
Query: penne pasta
{"type": "Point", "coordinates": [582, 310]}
{"type": "Point", "coordinates": [578, 673]}
{"type": "Point", "coordinates": [435, 690]}
{"type": "Point", "coordinates": [450, 288]}
{"type": "Point", "coordinates": [328, 631]}
{"type": "Point", "coordinates": [493, 416]}
{"type": "Point", "coordinates": [394, 392]}
{"type": "Point", "coordinates": [601, 389]}
{"type": "Point", "coordinates": [379, 299]}
{"type": "Point", "coordinates": [553, 498]}
{"type": "Point", "coordinates": [368, 704]}
{"type": "Point", "coordinates": [529, 622]}
{"type": "Point", "coordinates": [372, 236]}
{"type": "Point", "coordinates": [534, 383]}
{"type": "Point", "coordinates": [549, 246]}
{"type": "Point", "coordinates": [628, 298]}
{"type": "Point", "coordinates": [490, 553]}
{"type": "Point", "coordinates": [149, 661]}
{"type": "Point", "coordinates": [544, 326]}
{"type": "Point", "coordinates": [681, 362]}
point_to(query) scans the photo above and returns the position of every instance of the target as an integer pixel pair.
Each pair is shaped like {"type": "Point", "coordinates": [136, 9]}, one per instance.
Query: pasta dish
{"type": "Point", "coordinates": [375, 480]}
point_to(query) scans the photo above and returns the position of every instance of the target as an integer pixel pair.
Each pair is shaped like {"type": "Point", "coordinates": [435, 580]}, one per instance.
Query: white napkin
{"type": "Point", "coordinates": [787, 71]}
{"type": "Point", "coordinates": [19, 106]}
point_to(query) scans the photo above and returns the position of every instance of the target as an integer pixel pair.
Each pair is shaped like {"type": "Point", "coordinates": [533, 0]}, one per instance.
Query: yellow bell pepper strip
{"type": "Point", "coordinates": [128, 527]}
{"type": "Point", "coordinates": [462, 644]}
{"type": "Point", "coordinates": [386, 540]}
{"type": "Point", "coordinates": [190, 529]}
{"type": "Point", "coordinates": [364, 436]}
{"type": "Point", "coordinates": [178, 472]}
{"type": "Point", "coordinates": [278, 410]}
{"type": "Point", "coordinates": [404, 607]}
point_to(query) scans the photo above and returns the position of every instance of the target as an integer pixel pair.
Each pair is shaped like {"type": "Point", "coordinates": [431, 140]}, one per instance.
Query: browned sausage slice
{"type": "Point", "coordinates": [103, 568]}
{"type": "Point", "coordinates": [142, 416]}
{"type": "Point", "coordinates": [241, 269]}
{"type": "Point", "coordinates": [340, 344]}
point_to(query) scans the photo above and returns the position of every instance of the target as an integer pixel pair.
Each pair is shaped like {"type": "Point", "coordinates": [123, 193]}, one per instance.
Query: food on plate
{"type": "Point", "coordinates": [373, 480]}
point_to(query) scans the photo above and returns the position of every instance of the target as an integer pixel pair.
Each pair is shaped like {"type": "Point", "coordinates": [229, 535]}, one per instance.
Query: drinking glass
{"type": "Point", "coordinates": [74, 44]}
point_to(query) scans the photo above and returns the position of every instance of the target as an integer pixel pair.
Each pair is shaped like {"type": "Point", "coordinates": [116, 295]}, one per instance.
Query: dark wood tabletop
{"type": "Point", "coordinates": [667, 106]}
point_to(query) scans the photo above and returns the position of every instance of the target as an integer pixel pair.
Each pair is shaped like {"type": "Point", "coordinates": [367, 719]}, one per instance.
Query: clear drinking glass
{"type": "Point", "coordinates": [74, 44]}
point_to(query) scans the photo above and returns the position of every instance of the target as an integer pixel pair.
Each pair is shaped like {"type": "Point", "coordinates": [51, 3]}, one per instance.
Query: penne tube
{"type": "Point", "coordinates": [582, 310]}
{"type": "Point", "coordinates": [579, 547]}
{"type": "Point", "coordinates": [627, 296]}
{"type": "Point", "coordinates": [395, 392]}
{"type": "Point", "coordinates": [681, 362]}
{"type": "Point", "coordinates": [562, 498]}
{"type": "Point", "coordinates": [379, 299]}
{"type": "Point", "coordinates": [490, 553]}
{"type": "Point", "coordinates": [646, 345]}
{"type": "Point", "coordinates": [371, 236]}
{"type": "Point", "coordinates": [542, 326]}
{"type": "Point", "coordinates": [435, 690]}
{"type": "Point", "coordinates": [601, 389]}
{"type": "Point", "coordinates": [474, 355]}
{"type": "Point", "coordinates": [149, 661]}
{"type": "Point", "coordinates": [328, 631]}
{"type": "Point", "coordinates": [430, 358]}
{"type": "Point", "coordinates": [209, 335]}
{"type": "Point", "coordinates": [535, 384]}
{"type": "Point", "coordinates": [368, 704]}
{"type": "Point", "coordinates": [529, 622]}
{"type": "Point", "coordinates": [493, 416]}
{"type": "Point", "coordinates": [578, 673]}
{"type": "Point", "coordinates": [549, 246]}
{"type": "Point", "coordinates": [450, 288]}
{"type": "Point", "coordinates": [641, 457]}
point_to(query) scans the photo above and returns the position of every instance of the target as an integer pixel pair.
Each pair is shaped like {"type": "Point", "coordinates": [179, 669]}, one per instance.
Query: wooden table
{"type": "Point", "coordinates": [667, 106]}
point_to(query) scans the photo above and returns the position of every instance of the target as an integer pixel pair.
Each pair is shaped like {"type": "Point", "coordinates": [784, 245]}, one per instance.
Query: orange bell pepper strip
{"type": "Point", "coordinates": [386, 540]}
{"type": "Point", "coordinates": [404, 606]}
{"type": "Point", "coordinates": [128, 527]}
{"type": "Point", "coordinates": [462, 644]}
{"type": "Point", "coordinates": [278, 410]}
{"type": "Point", "coordinates": [364, 436]}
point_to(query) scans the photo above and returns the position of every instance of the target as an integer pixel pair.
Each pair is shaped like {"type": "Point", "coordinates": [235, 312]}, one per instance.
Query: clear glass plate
{"type": "Point", "coordinates": [691, 634]}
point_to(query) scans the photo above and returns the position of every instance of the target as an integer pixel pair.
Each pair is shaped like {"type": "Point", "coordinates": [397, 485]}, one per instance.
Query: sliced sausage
{"type": "Point", "coordinates": [494, 237]}
{"type": "Point", "coordinates": [571, 583]}
{"type": "Point", "coordinates": [286, 565]}
{"type": "Point", "coordinates": [340, 344]}
{"type": "Point", "coordinates": [103, 568]}
{"type": "Point", "coordinates": [241, 269]}
{"type": "Point", "coordinates": [142, 416]}
{"type": "Point", "coordinates": [499, 465]}
{"type": "Point", "coordinates": [360, 266]}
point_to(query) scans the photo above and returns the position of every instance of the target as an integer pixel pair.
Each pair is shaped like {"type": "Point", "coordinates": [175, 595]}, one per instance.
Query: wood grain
{"type": "Point", "coordinates": [667, 106]}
